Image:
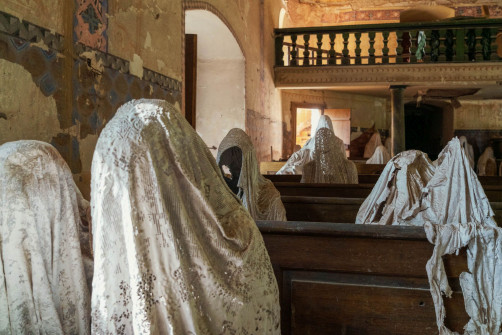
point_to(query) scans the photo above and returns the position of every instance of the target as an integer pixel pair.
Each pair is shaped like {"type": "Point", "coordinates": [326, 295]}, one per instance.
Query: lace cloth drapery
{"type": "Point", "coordinates": [380, 156]}
{"type": "Point", "coordinates": [329, 164]}
{"type": "Point", "coordinates": [175, 251]}
{"type": "Point", "coordinates": [297, 161]}
{"type": "Point", "coordinates": [469, 151]}
{"type": "Point", "coordinates": [394, 199]}
{"type": "Point", "coordinates": [258, 194]}
{"type": "Point", "coordinates": [43, 287]}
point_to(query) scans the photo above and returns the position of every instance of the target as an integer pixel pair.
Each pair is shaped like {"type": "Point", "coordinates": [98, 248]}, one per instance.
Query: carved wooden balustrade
{"type": "Point", "coordinates": [449, 41]}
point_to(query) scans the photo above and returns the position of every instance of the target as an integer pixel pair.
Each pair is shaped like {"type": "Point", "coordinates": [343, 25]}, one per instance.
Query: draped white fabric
{"type": "Point", "coordinates": [394, 199]}
{"type": "Point", "coordinates": [43, 288]}
{"type": "Point", "coordinates": [258, 194]}
{"type": "Point", "coordinates": [175, 251]}
{"type": "Point", "coordinates": [487, 160]}
{"type": "Point", "coordinates": [455, 213]}
{"type": "Point", "coordinates": [297, 161]}
{"type": "Point", "coordinates": [329, 164]}
{"type": "Point", "coordinates": [370, 147]}
{"type": "Point", "coordinates": [380, 156]}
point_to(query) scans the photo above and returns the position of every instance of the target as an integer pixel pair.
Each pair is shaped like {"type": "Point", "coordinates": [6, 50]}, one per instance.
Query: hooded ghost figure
{"type": "Point", "coordinates": [395, 197]}
{"type": "Point", "coordinates": [487, 165]}
{"type": "Point", "coordinates": [469, 152]}
{"type": "Point", "coordinates": [175, 251]}
{"type": "Point", "coordinates": [257, 193]}
{"type": "Point", "coordinates": [457, 213]}
{"type": "Point", "coordinates": [297, 161]}
{"type": "Point", "coordinates": [381, 156]}
{"type": "Point", "coordinates": [329, 164]}
{"type": "Point", "coordinates": [43, 287]}
{"type": "Point", "coordinates": [374, 142]}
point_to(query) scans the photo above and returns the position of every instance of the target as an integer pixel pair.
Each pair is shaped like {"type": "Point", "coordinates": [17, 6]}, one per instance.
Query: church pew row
{"type": "Point", "coordinates": [337, 278]}
{"type": "Point", "coordinates": [493, 192]}
{"type": "Point", "coordinates": [369, 178]}
{"type": "Point", "coordinates": [337, 210]}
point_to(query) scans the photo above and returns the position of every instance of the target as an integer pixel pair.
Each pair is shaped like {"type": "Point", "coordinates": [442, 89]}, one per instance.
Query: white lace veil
{"type": "Point", "coordinates": [329, 164]}
{"type": "Point", "coordinates": [487, 165]}
{"type": "Point", "coordinates": [43, 288]}
{"type": "Point", "coordinates": [175, 251]}
{"type": "Point", "coordinates": [374, 142]}
{"type": "Point", "coordinates": [257, 193]}
{"type": "Point", "coordinates": [380, 156]}
{"type": "Point", "coordinates": [296, 162]}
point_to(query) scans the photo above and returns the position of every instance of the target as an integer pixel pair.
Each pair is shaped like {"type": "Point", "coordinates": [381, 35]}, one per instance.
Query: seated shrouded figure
{"type": "Point", "coordinates": [487, 165]}
{"type": "Point", "coordinates": [175, 251]}
{"type": "Point", "coordinates": [469, 152]}
{"type": "Point", "coordinates": [257, 193]}
{"type": "Point", "coordinates": [43, 287]}
{"type": "Point", "coordinates": [380, 156]}
{"type": "Point", "coordinates": [297, 161]}
{"type": "Point", "coordinates": [374, 142]}
{"type": "Point", "coordinates": [394, 198]}
{"type": "Point", "coordinates": [329, 164]}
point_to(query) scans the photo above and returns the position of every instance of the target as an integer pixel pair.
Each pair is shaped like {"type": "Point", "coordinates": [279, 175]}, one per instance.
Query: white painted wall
{"type": "Point", "coordinates": [220, 93]}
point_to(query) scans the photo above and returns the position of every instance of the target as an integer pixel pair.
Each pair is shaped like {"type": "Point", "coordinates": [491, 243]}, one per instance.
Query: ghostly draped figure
{"type": "Point", "coordinates": [380, 156]}
{"type": "Point", "coordinates": [175, 251]}
{"type": "Point", "coordinates": [487, 165]}
{"type": "Point", "coordinates": [395, 197]}
{"type": "Point", "coordinates": [329, 164]}
{"type": "Point", "coordinates": [43, 287]}
{"type": "Point", "coordinates": [374, 142]}
{"type": "Point", "coordinates": [457, 213]}
{"type": "Point", "coordinates": [297, 161]}
{"type": "Point", "coordinates": [258, 194]}
{"type": "Point", "coordinates": [469, 152]}
{"type": "Point", "coordinates": [388, 145]}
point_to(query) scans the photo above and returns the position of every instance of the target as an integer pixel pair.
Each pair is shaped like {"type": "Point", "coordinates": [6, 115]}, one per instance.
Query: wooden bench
{"type": "Point", "coordinates": [336, 209]}
{"type": "Point", "coordinates": [337, 278]}
{"type": "Point", "coordinates": [493, 192]}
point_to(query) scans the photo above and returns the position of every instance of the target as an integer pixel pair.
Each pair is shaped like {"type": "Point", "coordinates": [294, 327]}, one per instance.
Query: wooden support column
{"type": "Point", "coordinates": [397, 114]}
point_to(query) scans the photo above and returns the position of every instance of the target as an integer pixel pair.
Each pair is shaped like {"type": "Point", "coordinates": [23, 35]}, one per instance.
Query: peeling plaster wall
{"type": "Point", "coordinates": [147, 32]}
{"type": "Point", "coordinates": [47, 13]}
{"type": "Point", "coordinates": [365, 110]}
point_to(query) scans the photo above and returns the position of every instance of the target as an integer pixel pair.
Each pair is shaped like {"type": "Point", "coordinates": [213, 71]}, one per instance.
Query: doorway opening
{"type": "Point", "coordinates": [424, 128]}
{"type": "Point", "coordinates": [216, 89]}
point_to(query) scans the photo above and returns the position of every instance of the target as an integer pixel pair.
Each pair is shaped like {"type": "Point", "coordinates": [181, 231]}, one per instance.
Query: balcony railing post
{"type": "Point", "coordinates": [279, 52]}
{"type": "Point", "coordinates": [448, 43]}
{"type": "Point", "coordinates": [470, 40]}
{"type": "Point", "coordinates": [442, 45]}
{"type": "Point", "coordinates": [358, 48]}
{"type": "Point", "coordinates": [428, 48]}
{"type": "Point", "coordinates": [294, 52]}
{"type": "Point", "coordinates": [399, 49]}
{"type": "Point", "coordinates": [435, 45]}
{"type": "Point", "coordinates": [345, 51]}
{"type": "Point", "coordinates": [371, 50]}
{"type": "Point", "coordinates": [319, 49]}
{"type": "Point", "coordinates": [332, 59]}
{"type": "Point", "coordinates": [414, 48]}
{"type": "Point", "coordinates": [385, 49]}
{"type": "Point", "coordinates": [479, 45]}
{"type": "Point", "coordinates": [306, 54]}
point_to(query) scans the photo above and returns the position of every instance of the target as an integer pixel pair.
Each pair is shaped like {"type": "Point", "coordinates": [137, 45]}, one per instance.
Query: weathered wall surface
{"type": "Point", "coordinates": [365, 110]}
{"type": "Point", "coordinates": [64, 90]}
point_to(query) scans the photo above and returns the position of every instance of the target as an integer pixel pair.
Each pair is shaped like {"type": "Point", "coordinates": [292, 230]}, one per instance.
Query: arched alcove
{"type": "Point", "coordinates": [220, 79]}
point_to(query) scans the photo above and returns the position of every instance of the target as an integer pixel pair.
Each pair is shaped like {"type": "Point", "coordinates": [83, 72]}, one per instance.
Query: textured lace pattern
{"type": "Point", "coordinates": [297, 161]}
{"type": "Point", "coordinates": [175, 251]}
{"type": "Point", "coordinates": [258, 194]}
{"type": "Point", "coordinates": [43, 287]}
{"type": "Point", "coordinates": [329, 164]}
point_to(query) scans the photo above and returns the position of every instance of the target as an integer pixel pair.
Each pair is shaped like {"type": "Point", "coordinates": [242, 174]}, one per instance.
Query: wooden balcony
{"type": "Point", "coordinates": [458, 52]}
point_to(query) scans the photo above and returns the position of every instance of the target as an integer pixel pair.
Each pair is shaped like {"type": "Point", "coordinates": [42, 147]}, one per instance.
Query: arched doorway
{"type": "Point", "coordinates": [220, 77]}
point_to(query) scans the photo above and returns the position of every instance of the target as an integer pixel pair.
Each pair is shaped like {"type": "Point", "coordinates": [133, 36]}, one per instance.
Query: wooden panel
{"type": "Point", "coordinates": [325, 190]}
{"type": "Point", "coordinates": [190, 78]}
{"type": "Point", "coordinates": [351, 279]}
{"type": "Point", "coordinates": [369, 168]}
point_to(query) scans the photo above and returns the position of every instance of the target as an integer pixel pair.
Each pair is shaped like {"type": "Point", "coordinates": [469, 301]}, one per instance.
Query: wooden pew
{"type": "Point", "coordinates": [339, 210]}
{"type": "Point", "coordinates": [493, 192]}
{"type": "Point", "coordinates": [337, 278]}
{"type": "Point", "coordinates": [370, 179]}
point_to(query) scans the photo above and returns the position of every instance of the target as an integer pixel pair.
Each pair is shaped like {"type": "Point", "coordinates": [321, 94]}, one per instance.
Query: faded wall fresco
{"type": "Point", "coordinates": [64, 100]}
{"type": "Point", "coordinates": [91, 23]}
